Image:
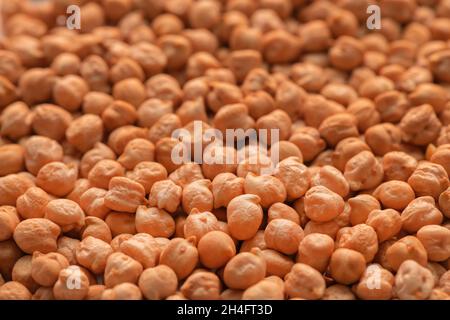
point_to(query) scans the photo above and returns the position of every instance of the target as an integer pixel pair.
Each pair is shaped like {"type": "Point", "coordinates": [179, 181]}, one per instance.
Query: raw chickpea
{"type": "Point", "coordinates": [43, 293]}
{"type": "Point", "coordinates": [413, 281]}
{"type": "Point", "coordinates": [365, 113]}
{"type": "Point", "coordinates": [225, 187]}
{"type": "Point", "coordinates": [346, 53]}
{"type": "Point", "coordinates": [97, 228]}
{"type": "Point", "coordinates": [12, 159]}
{"type": "Point", "coordinates": [279, 46]}
{"type": "Point", "coordinates": [198, 223]}
{"type": "Point", "coordinates": [118, 113]}
{"type": "Point", "coordinates": [163, 153]}
{"type": "Point", "coordinates": [14, 290]}
{"type": "Point", "coordinates": [21, 273]}
{"type": "Point", "coordinates": [197, 195]}
{"type": "Point", "coordinates": [316, 36]}
{"type": "Point", "coordinates": [92, 253]}
{"type": "Point", "coordinates": [141, 247]}
{"type": "Point", "coordinates": [221, 244]}
{"type": "Point", "coordinates": [283, 235]}
{"type": "Point", "coordinates": [429, 93]}
{"type": "Point", "coordinates": [57, 178]}
{"type": "Point", "coordinates": [85, 131]}
{"type": "Point", "coordinates": [155, 222]}
{"type": "Point", "coordinates": [286, 149]}
{"type": "Point", "coordinates": [12, 187]}
{"type": "Point", "coordinates": [121, 268]}
{"type": "Point", "coordinates": [69, 92]}
{"type": "Point", "coordinates": [407, 248]}
{"type": "Point", "coordinates": [331, 178]}
{"type": "Point", "coordinates": [165, 88]}
{"type": "Point", "coordinates": [420, 125]}
{"type": "Point", "coordinates": [346, 265]}
{"type": "Point", "coordinates": [338, 292]}
{"type": "Point", "coordinates": [315, 250]}
{"type": "Point", "coordinates": [372, 87]}
{"type": "Point", "coordinates": [376, 284]}
{"type": "Point", "coordinates": [204, 14]}
{"type": "Point", "coordinates": [165, 195]}
{"type": "Point", "coordinates": [93, 156]}
{"type": "Point", "coordinates": [244, 216]}
{"type": "Point", "coordinates": [360, 208]}
{"type": "Point", "coordinates": [270, 288]}
{"type": "Point", "coordinates": [277, 119]}
{"type": "Point", "coordinates": [147, 173]}
{"type": "Point", "coordinates": [181, 255]}
{"type": "Point", "coordinates": [15, 121]}
{"type": "Point", "coordinates": [441, 157]}
{"type": "Point", "coordinates": [280, 210]}
{"type": "Point", "coordinates": [398, 165]}
{"type": "Point", "coordinates": [192, 110]}
{"type": "Point", "coordinates": [96, 102]}
{"type": "Point", "coordinates": [436, 240]}
{"type": "Point", "coordinates": [123, 291]}
{"type": "Point", "coordinates": [66, 289]}
{"type": "Point", "coordinates": [394, 194]}
{"type": "Point", "coordinates": [36, 85]}
{"type": "Point", "coordinates": [39, 151]}
{"type": "Point", "coordinates": [304, 282]}
{"type": "Point", "coordinates": [50, 121]}
{"type": "Point", "coordinates": [308, 140]}
{"type": "Point", "coordinates": [438, 64]}
{"type": "Point", "coordinates": [125, 68]}
{"type": "Point", "coordinates": [322, 204]}
{"type": "Point", "coordinates": [124, 195]}
{"type": "Point", "coordinates": [341, 93]}
{"type": "Point", "coordinates": [94, 71]}
{"type": "Point", "coordinates": [158, 282]}
{"type": "Point", "coordinates": [103, 171]}
{"type": "Point", "coordinates": [316, 109]}
{"type": "Point", "coordinates": [92, 201]}
{"type": "Point", "coordinates": [130, 90]}
{"type": "Point", "coordinates": [233, 116]}
{"type": "Point", "coordinates": [387, 223]}
{"type": "Point", "coordinates": [36, 234]}
{"type": "Point", "coordinates": [277, 264]}
{"type": "Point", "coordinates": [201, 40]}
{"type": "Point", "coordinates": [429, 179]}
{"type": "Point", "coordinates": [346, 149]}
{"type": "Point", "coordinates": [202, 285]}
{"type": "Point", "coordinates": [259, 79]}
{"type": "Point", "coordinates": [222, 94]}
{"type": "Point", "coordinates": [420, 212]}
{"type": "Point", "coordinates": [186, 174]}
{"type": "Point", "coordinates": [45, 268]}
{"type": "Point", "coordinates": [9, 219]}
{"type": "Point", "coordinates": [268, 188]}
{"type": "Point", "coordinates": [244, 270]}
{"type": "Point", "coordinates": [361, 238]}
{"type": "Point", "coordinates": [67, 247]}
{"type": "Point", "coordinates": [121, 222]}
{"type": "Point", "coordinates": [383, 138]}
{"type": "Point", "coordinates": [244, 37]}
{"type": "Point", "coordinates": [9, 254]}
{"type": "Point", "coordinates": [444, 202]}
{"type": "Point", "coordinates": [67, 214]}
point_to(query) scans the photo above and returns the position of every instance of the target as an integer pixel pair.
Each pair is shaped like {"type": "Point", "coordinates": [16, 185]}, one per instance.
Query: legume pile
{"type": "Point", "coordinates": [92, 206]}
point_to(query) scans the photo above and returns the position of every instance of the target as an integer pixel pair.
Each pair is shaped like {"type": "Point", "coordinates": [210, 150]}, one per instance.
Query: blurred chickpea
{"type": "Point", "coordinates": [181, 255]}
{"type": "Point", "coordinates": [407, 248]}
{"type": "Point", "coordinates": [413, 281]}
{"type": "Point", "coordinates": [14, 290]}
{"type": "Point", "coordinates": [304, 282]}
{"type": "Point", "coordinates": [346, 53]}
{"type": "Point", "coordinates": [45, 268]}
{"type": "Point", "coordinates": [158, 282]}
{"type": "Point", "coordinates": [250, 205]}
{"type": "Point", "coordinates": [204, 14]}
{"type": "Point", "coordinates": [444, 202]}
{"type": "Point", "coordinates": [130, 90]}
{"type": "Point", "coordinates": [376, 284]}
{"type": "Point", "coordinates": [69, 92]}
{"type": "Point", "coordinates": [338, 292]}
{"type": "Point", "coordinates": [15, 120]}
{"type": "Point", "coordinates": [96, 102]}
{"type": "Point", "coordinates": [12, 187]}
{"type": "Point", "coordinates": [28, 231]}
{"type": "Point", "coordinates": [383, 138]}
{"type": "Point", "coordinates": [420, 212]}
{"type": "Point", "coordinates": [121, 222]}
{"type": "Point", "coordinates": [9, 219]}
{"type": "Point", "coordinates": [36, 85]}
{"type": "Point", "coordinates": [94, 71]}
{"type": "Point", "coordinates": [420, 125]}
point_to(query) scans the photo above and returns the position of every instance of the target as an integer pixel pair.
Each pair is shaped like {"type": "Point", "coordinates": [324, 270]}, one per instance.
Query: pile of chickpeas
{"type": "Point", "coordinates": [92, 205]}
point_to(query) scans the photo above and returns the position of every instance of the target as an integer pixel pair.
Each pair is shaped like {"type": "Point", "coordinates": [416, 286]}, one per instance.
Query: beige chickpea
{"type": "Point", "coordinates": [125, 68]}
{"type": "Point", "coordinates": [225, 187]}
{"type": "Point", "coordinates": [221, 244]}
{"type": "Point", "coordinates": [10, 254]}
{"type": "Point", "coordinates": [376, 284]}
{"type": "Point", "coordinates": [154, 221]}
{"type": "Point", "coordinates": [316, 35]}
{"type": "Point", "coordinates": [322, 204]}
{"type": "Point", "coordinates": [363, 171]}
{"type": "Point", "coordinates": [316, 109]}
{"type": "Point", "coordinates": [338, 292]}
{"type": "Point", "coordinates": [27, 233]}
{"type": "Point", "coordinates": [94, 70]}
{"type": "Point", "coordinates": [308, 140]}
{"type": "Point", "coordinates": [361, 238]}
{"type": "Point", "coordinates": [124, 195]}
{"type": "Point", "coordinates": [315, 250]}
{"type": "Point", "coordinates": [181, 255]}
{"type": "Point", "coordinates": [186, 174]}
{"type": "Point", "coordinates": [69, 92]}
{"type": "Point", "coordinates": [147, 173]}
{"type": "Point", "coordinates": [165, 195]}
{"type": "Point", "coordinates": [67, 247]}
{"type": "Point", "coordinates": [15, 120]}
{"type": "Point", "coordinates": [130, 90]}
{"type": "Point", "coordinates": [387, 223]}
{"type": "Point", "coordinates": [92, 253]}
{"type": "Point", "coordinates": [121, 268]}
{"type": "Point", "coordinates": [436, 240]}
{"type": "Point", "coordinates": [248, 206]}
{"type": "Point", "coordinates": [123, 291]}
{"type": "Point", "coordinates": [420, 125]}
{"type": "Point", "coordinates": [191, 110]}
{"type": "Point", "coordinates": [142, 247]}
{"type": "Point", "coordinates": [66, 289]}
{"type": "Point", "coordinates": [163, 153]}
{"type": "Point", "coordinates": [294, 176]}
{"type": "Point", "coordinates": [360, 208]}
{"type": "Point", "coordinates": [444, 202]}
{"type": "Point", "coordinates": [99, 152]}
{"type": "Point", "coordinates": [332, 179]}
{"type": "Point", "coordinates": [304, 282]}
{"type": "Point", "coordinates": [57, 178]}
{"type": "Point", "coordinates": [202, 285]}
{"type": "Point", "coordinates": [407, 248]}
{"type": "Point", "coordinates": [14, 290]}
{"type": "Point", "coordinates": [233, 116]}
{"type": "Point", "coordinates": [92, 201]}
{"type": "Point", "coordinates": [103, 171]}
{"type": "Point", "coordinates": [36, 85]}
{"type": "Point", "coordinates": [121, 222]}
{"type": "Point", "coordinates": [277, 119]}
{"type": "Point", "coordinates": [50, 121]}
{"type": "Point", "coordinates": [85, 131]}
{"type": "Point", "coordinates": [12, 158]}
{"type": "Point", "coordinates": [365, 113]}
{"type": "Point", "coordinates": [420, 212]}
{"type": "Point", "coordinates": [22, 273]}
{"type": "Point", "coordinates": [39, 151]}
{"type": "Point", "coordinates": [9, 219]}
{"type": "Point", "coordinates": [398, 165]}
{"type": "Point", "coordinates": [201, 40]}
{"type": "Point", "coordinates": [283, 235]}
{"type": "Point", "coordinates": [96, 228]}
{"type": "Point", "coordinates": [244, 270]}
{"type": "Point", "coordinates": [270, 288]}
{"type": "Point", "coordinates": [394, 194]}
{"type": "Point", "coordinates": [45, 268]}
{"type": "Point", "coordinates": [199, 223]}
{"type": "Point", "coordinates": [346, 149]}
{"type": "Point", "coordinates": [12, 187]}
{"type": "Point", "coordinates": [429, 179]}
{"type": "Point", "coordinates": [346, 265]}
{"type": "Point", "coordinates": [96, 102]}
{"type": "Point", "coordinates": [67, 214]}
{"type": "Point", "coordinates": [268, 188]}
{"type": "Point", "coordinates": [286, 149]}
{"type": "Point", "coordinates": [280, 210]}
{"type": "Point", "coordinates": [158, 283]}
{"type": "Point", "coordinates": [413, 281]}
{"type": "Point", "coordinates": [279, 46]}
{"type": "Point", "coordinates": [197, 195]}
{"type": "Point", "coordinates": [118, 113]}
{"type": "Point", "coordinates": [346, 53]}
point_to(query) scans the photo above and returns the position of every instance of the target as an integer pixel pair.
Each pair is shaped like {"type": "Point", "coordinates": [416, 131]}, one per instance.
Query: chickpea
{"type": "Point", "coordinates": [268, 188]}
{"type": "Point", "coordinates": [365, 112]}
{"type": "Point", "coordinates": [346, 265]}
{"type": "Point", "coordinates": [12, 187]}
{"type": "Point", "coordinates": [165, 195]}
{"type": "Point", "coordinates": [420, 212]}
{"type": "Point", "coordinates": [14, 290]}
{"type": "Point", "coordinates": [121, 222]}
{"type": "Point", "coordinates": [407, 248]}
{"type": "Point", "coordinates": [57, 178]}
{"type": "Point", "coordinates": [97, 228]}
{"type": "Point", "coordinates": [147, 173]}
{"type": "Point", "coordinates": [304, 282]}
{"type": "Point", "coordinates": [383, 138]}
{"type": "Point", "coordinates": [124, 195]}
{"type": "Point", "coordinates": [244, 270]}
{"type": "Point", "coordinates": [398, 165]}
{"type": "Point", "coordinates": [45, 268]}
{"type": "Point", "coordinates": [158, 282]}
{"type": "Point", "coordinates": [197, 195]}
{"type": "Point", "coordinates": [225, 187]}
{"type": "Point", "coordinates": [181, 255]}
{"type": "Point", "coordinates": [103, 171]}
{"type": "Point", "coordinates": [277, 119]}
{"type": "Point", "coordinates": [429, 179]}
{"type": "Point", "coordinates": [192, 110]}
{"type": "Point", "coordinates": [394, 194]}
{"type": "Point", "coordinates": [221, 244]}
{"type": "Point", "coordinates": [141, 247]}
{"type": "Point", "coordinates": [270, 288]}
{"type": "Point", "coordinates": [332, 179]}
{"type": "Point", "coordinates": [155, 222]}
{"type": "Point", "coordinates": [92, 201]}
{"type": "Point", "coordinates": [413, 281]}
{"type": "Point", "coordinates": [436, 240]}
{"type": "Point", "coordinates": [67, 247]}
{"type": "Point", "coordinates": [28, 231]}
{"type": "Point", "coordinates": [361, 238]}
{"type": "Point", "coordinates": [201, 285]}
{"type": "Point", "coordinates": [39, 151]}
{"type": "Point", "coordinates": [376, 284]}
{"type": "Point", "coordinates": [387, 223]}
{"type": "Point", "coordinates": [280, 210]}
{"type": "Point", "coordinates": [444, 202]}
{"type": "Point", "coordinates": [12, 158]}
{"type": "Point", "coordinates": [283, 235]}
{"type": "Point", "coordinates": [121, 268]}
{"type": "Point", "coordinates": [317, 199]}
{"type": "Point", "coordinates": [338, 292]}
{"type": "Point", "coordinates": [15, 120]}
{"type": "Point", "coordinates": [66, 289]}
{"type": "Point", "coordinates": [186, 174]}
{"type": "Point", "coordinates": [420, 125]}
{"type": "Point", "coordinates": [35, 85]}
{"type": "Point", "coordinates": [438, 61]}
{"type": "Point", "coordinates": [315, 250]}
{"type": "Point", "coordinates": [67, 214]}
{"type": "Point", "coordinates": [21, 273]}
{"type": "Point", "coordinates": [346, 53]}
{"type": "Point", "coordinates": [248, 206]}
{"type": "Point", "coordinates": [92, 253]}
{"type": "Point", "coordinates": [9, 219]}
{"type": "Point", "coordinates": [279, 46]}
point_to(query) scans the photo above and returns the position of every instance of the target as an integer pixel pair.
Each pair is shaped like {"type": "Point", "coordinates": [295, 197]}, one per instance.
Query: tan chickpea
{"type": "Point", "coordinates": [45, 268]}
{"type": "Point", "coordinates": [438, 64]}
{"type": "Point", "coordinates": [316, 36]}
{"type": "Point", "coordinates": [14, 290]}
{"type": "Point", "coordinates": [36, 85]}
{"type": "Point", "coordinates": [429, 93]}
{"type": "Point", "coordinates": [268, 188]}
{"type": "Point", "coordinates": [376, 284]}
{"type": "Point", "coordinates": [222, 93]}
{"type": "Point", "coordinates": [192, 110]}
{"type": "Point", "coordinates": [346, 53]}
{"type": "Point", "coordinates": [103, 171]}
{"type": "Point", "coordinates": [316, 109]}
{"type": "Point", "coordinates": [12, 158]}
{"type": "Point", "coordinates": [246, 229]}
{"type": "Point", "coordinates": [233, 116]}
{"type": "Point", "coordinates": [69, 92]}
{"type": "Point", "coordinates": [40, 151]}
{"type": "Point", "coordinates": [429, 179]}
{"type": "Point", "coordinates": [57, 178]}
{"type": "Point", "coordinates": [394, 194]}
{"type": "Point", "coordinates": [197, 195]}
{"type": "Point", "coordinates": [123, 291]}
{"type": "Point", "coordinates": [118, 113]}
{"type": "Point", "coordinates": [92, 253]}
{"type": "Point", "coordinates": [158, 282]}
{"type": "Point", "coordinates": [279, 46]}
{"type": "Point", "coordinates": [201, 285]}
{"type": "Point", "coordinates": [51, 121]}
{"type": "Point", "coordinates": [407, 248]}
{"type": "Point", "coordinates": [332, 179]}
{"type": "Point", "coordinates": [317, 199]}
{"type": "Point", "coordinates": [218, 242]}
{"type": "Point", "coordinates": [383, 138]}
{"type": "Point", "coordinates": [277, 264]}
{"type": "Point", "coordinates": [198, 223]}
{"type": "Point", "coordinates": [92, 201]}
{"type": "Point", "coordinates": [436, 240]}
{"type": "Point", "coordinates": [124, 195]}
{"type": "Point", "coordinates": [147, 173]}
{"type": "Point", "coordinates": [270, 288]}
{"type": "Point", "coordinates": [387, 223]}
{"type": "Point", "coordinates": [155, 222]}
{"type": "Point", "coordinates": [280, 210]}
{"type": "Point", "coordinates": [441, 157]}
{"type": "Point", "coordinates": [419, 213]}
{"type": "Point", "coordinates": [346, 265]}
{"type": "Point", "coordinates": [201, 40]}
{"type": "Point", "coordinates": [304, 282]}
{"type": "Point", "coordinates": [96, 102]}
{"type": "Point", "coordinates": [420, 125]}
{"type": "Point", "coordinates": [444, 202]}
{"type": "Point", "coordinates": [94, 71]}
{"type": "Point", "coordinates": [413, 281]}
{"type": "Point", "coordinates": [338, 292]}
{"type": "Point", "coordinates": [85, 131]}
{"type": "Point", "coordinates": [15, 120]}
{"type": "Point", "coordinates": [315, 250]}
{"type": "Point", "coordinates": [181, 255]}
{"type": "Point", "coordinates": [67, 214]}
{"type": "Point", "coordinates": [66, 289]}
{"type": "Point", "coordinates": [27, 233]}
{"type": "Point", "coordinates": [67, 247]}
{"type": "Point", "coordinates": [244, 270]}
{"type": "Point", "coordinates": [96, 228]}
{"type": "Point", "coordinates": [10, 254]}
{"type": "Point", "coordinates": [142, 247]}
{"type": "Point", "coordinates": [365, 113]}
{"type": "Point", "coordinates": [9, 219]}
{"type": "Point", "coordinates": [225, 187]}
{"type": "Point", "coordinates": [186, 174]}
{"type": "Point", "coordinates": [21, 273]}
{"type": "Point", "coordinates": [361, 206]}
{"type": "Point", "coordinates": [164, 127]}
{"type": "Point", "coordinates": [121, 268]}
{"type": "Point", "coordinates": [163, 153]}
{"type": "Point", "coordinates": [130, 90]}
{"type": "Point", "coordinates": [361, 238]}
{"type": "Point", "coordinates": [12, 187]}
{"type": "Point", "coordinates": [121, 222]}
{"type": "Point", "coordinates": [165, 195]}
{"type": "Point", "coordinates": [286, 149]}
{"type": "Point", "coordinates": [398, 165]}
{"type": "Point", "coordinates": [283, 235]}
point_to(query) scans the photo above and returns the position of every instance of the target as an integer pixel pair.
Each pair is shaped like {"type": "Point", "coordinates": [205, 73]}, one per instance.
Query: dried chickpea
{"type": "Point", "coordinates": [66, 289]}
{"type": "Point", "coordinates": [158, 283]}
{"type": "Point", "coordinates": [420, 212]}
{"type": "Point", "coordinates": [280, 210]}
{"type": "Point", "coordinates": [124, 195]}
{"type": "Point", "coordinates": [444, 202]}
{"type": "Point", "coordinates": [376, 284]}
{"type": "Point", "coordinates": [429, 179]}
{"type": "Point", "coordinates": [436, 240]}
{"type": "Point", "coordinates": [270, 288]}
{"type": "Point", "coordinates": [67, 214]}
{"type": "Point", "coordinates": [130, 90]}
{"type": "Point", "coordinates": [383, 138]}
{"type": "Point", "coordinates": [14, 290]}
{"type": "Point", "coordinates": [387, 223]}
{"type": "Point", "coordinates": [199, 223]}
{"type": "Point", "coordinates": [202, 285]}
{"type": "Point", "coordinates": [186, 174]}
{"type": "Point", "coordinates": [338, 292]}
{"type": "Point", "coordinates": [9, 219]}
{"type": "Point", "coordinates": [226, 186]}
{"type": "Point", "coordinates": [36, 234]}
{"type": "Point", "coordinates": [413, 281]}
{"type": "Point", "coordinates": [304, 282]}
{"type": "Point", "coordinates": [244, 270]}
{"type": "Point", "coordinates": [221, 244]}
{"type": "Point", "coordinates": [322, 204]}
{"type": "Point", "coordinates": [407, 248]}
{"type": "Point", "coordinates": [361, 238]}
{"type": "Point", "coordinates": [121, 222]}
{"type": "Point", "coordinates": [57, 178]}
{"type": "Point", "coordinates": [36, 85]}
{"type": "Point", "coordinates": [154, 221]}
{"type": "Point", "coordinates": [365, 112]}
{"type": "Point", "coordinates": [45, 268]}
{"type": "Point", "coordinates": [244, 216]}
{"type": "Point", "coordinates": [103, 171]}
{"type": "Point", "coordinates": [92, 201]}
{"type": "Point", "coordinates": [69, 91]}
{"type": "Point", "coordinates": [15, 120]}
{"type": "Point", "coordinates": [346, 265]}
{"type": "Point", "coordinates": [123, 291]}
{"type": "Point", "coordinates": [21, 273]}
{"type": "Point", "coordinates": [12, 187]}
{"type": "Point", "coordinates": [165, 195]}
{"type": "Point", "coordinates": [420, 125]}
{"type": "Point", "coordinates": [121, 268]}
{"type": "Point", "coordinates": [197, 195]}
{"type": "Point", "coordinates": [181, 255]}
{"type": "Point", "coordinates": [315, 250]}
{"type": "Point", "coordinates": [147, 173]}
{"type": "Point", "coordinates": [394, 194]}
{"type": "Point", "coordinates": [269, 189]}
{"type": "Point", "coordinates": [398, 165]}
{"type": "Point", "coordinates": [39, 151]}
{"type": "Point", "coordinates": [141, 247]}
{"type": "Point", "coordinates": [92, 253]}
